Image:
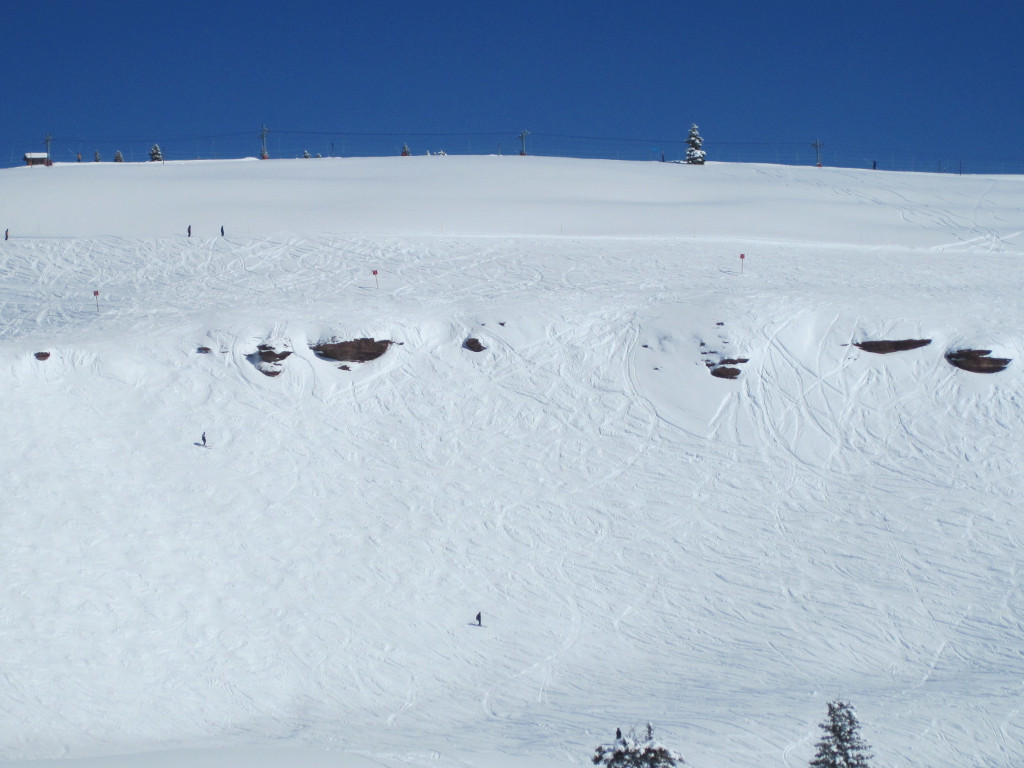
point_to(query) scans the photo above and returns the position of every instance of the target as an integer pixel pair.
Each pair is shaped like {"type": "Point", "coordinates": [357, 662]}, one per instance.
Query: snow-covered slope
{"type": "Point", "coordinates": [645, 542]}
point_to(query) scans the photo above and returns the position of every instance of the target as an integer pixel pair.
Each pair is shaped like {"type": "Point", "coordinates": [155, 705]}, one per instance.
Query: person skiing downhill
{"type": "Point", "coordinates": [204, 439]}
{"type": "Point", "coordinates": [479, 621]}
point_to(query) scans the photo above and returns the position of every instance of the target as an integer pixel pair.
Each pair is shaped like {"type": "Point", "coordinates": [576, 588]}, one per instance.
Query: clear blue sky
{"type": "Point", "coordinates": [872, 80]}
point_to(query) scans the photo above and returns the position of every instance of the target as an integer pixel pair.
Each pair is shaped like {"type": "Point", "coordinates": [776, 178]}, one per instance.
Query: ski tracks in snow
{"type": "Point", "coordinates": [322, 561]}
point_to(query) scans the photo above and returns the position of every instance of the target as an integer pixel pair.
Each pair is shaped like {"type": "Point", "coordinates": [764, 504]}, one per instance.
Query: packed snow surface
{"type": "Point", "coordinates": [645, 542]}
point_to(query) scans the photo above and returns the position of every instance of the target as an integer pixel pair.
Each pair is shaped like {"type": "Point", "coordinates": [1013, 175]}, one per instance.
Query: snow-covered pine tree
{"type": "Point", "coordinates": [118, 157]}
{"type": "Point", "coordinates": [155, 155]}
{"type": "Point", "coordinates": [695, 155]}
{"type": "Point", "coordinates": [630, 752]}
{"type": "Point", "coordinates": [841, 746]}
{"type": "Point", "coordinates": [96, 157]}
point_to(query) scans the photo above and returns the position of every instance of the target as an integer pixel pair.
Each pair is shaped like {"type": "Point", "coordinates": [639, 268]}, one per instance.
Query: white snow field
{"type": "Point", "coordinates": [645, 542]}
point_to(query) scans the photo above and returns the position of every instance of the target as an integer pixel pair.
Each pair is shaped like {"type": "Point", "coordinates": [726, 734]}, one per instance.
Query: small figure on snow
{"type": "Point", "coordinates": [479, 620]}
{"type": "Point", "coordinates": [7, 234]}
{"type": "Point", "coordinates": [222, 230]}
{"type": "Point", "coordinates": [204, 439]}
{"type": "Point", "coordinates": [618, 734]}
{"type": "Point", "coordinates": [190, 230]}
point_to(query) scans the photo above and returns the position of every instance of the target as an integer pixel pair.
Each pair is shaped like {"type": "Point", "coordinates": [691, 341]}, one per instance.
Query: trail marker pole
{"type": "Point", "coordinates": [743, 258]}
{"type": "Point", "coordinates": [375, 280]}
{"type": "Point", "coordinates": [96, 295]}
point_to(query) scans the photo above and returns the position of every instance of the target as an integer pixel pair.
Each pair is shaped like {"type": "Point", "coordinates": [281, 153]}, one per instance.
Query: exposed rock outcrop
{"type": "Point", "coordinates": [725, 372]}
{"type": "Point", "coordinates": [269, 356]}
{"type": "Point", "coordinates": [977, 360]}
{"type": "Point", "coordinates": [355, 351]}
{"type": "Point", "coordinates": [885, 347]}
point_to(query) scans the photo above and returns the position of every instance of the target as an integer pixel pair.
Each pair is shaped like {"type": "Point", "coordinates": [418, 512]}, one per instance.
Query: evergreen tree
{"type": "Point", "coordinates": [155, 155]}
{"type": "Point", "coordinates": [841, 746]}
{"type": "Point", "coordinates": [96, 158]}
{"type": "Point", "coordinates": [695, 155]}
{"type": "Point", "coordinates": [118, 157]}
{"type": "Point", "coordinates": [630, 752]}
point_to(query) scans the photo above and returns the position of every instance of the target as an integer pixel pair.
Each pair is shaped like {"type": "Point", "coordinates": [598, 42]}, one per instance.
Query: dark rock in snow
{"type": "Point", "coordinates": [270, 354]}
{"type": "Point", "coordinates": [977, 360]}
{"type": "Point", "coordinates": [885, 347]}
{"type": "Point", "coordinates": [725, 372]}
{"type": "Point", "coordinates": [355, 351]}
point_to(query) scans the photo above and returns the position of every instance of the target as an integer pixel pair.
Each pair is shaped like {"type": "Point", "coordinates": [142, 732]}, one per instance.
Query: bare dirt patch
{"type": "Point", "coordinates": [42, 355]}
{"type": "Point", "coordinates": [473, 345]}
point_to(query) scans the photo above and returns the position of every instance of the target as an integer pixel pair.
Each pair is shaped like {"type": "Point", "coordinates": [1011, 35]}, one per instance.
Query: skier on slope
{"type": "Point", "coordinates": [204, 439]}
{"type": "Point", "coordinates": [479, 621]}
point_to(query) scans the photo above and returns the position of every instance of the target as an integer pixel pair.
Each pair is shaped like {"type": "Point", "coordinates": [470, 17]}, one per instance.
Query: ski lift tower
{"type": "Point", "coordinates": [263, 139]}
{"type": "Point", "coordinates": [522, 138]}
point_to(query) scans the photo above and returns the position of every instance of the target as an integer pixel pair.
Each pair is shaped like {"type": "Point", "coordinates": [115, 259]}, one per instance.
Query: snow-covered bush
{"type": "Point", "coordinates": [118, 157]}
{"type": "Point", "coordinates": [155, 155]}
{"type": "Point", "coordinates": [841, 746]}
{"type": "Point", "coordinates": [631, 752]}
{"type": "Point", "coordinates": [695, 155]}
